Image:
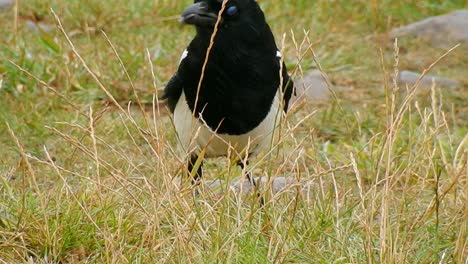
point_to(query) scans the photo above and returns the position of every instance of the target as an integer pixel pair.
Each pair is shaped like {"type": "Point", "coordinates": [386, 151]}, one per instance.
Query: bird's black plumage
{"type": "Point", "coordinates": [243, 73]}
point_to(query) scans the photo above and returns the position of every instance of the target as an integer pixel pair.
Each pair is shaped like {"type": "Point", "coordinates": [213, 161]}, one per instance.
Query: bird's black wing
{"type": "Point", "coordinates": [288, 87]}
{"type": "Point", "coordinates": [172, 91]}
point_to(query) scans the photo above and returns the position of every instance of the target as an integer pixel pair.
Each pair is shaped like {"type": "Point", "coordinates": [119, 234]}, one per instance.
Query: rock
{"type": "Point", "coordinates": [278, 184]}
{"type": "Point", "coordinates": [243, 186]}
{"type": "Point", "coordinates": [410, 78]}
{"type": "Point", "coordinates": [214, 184]}
{"type": "Point", "coordinates": [312, 86]}
{"type": "Point", "coordinates": [4, 4]}
{"type": "Point", "coordinates": [443, 31]}
{"type": "Point", "coordinates": [37, 27]}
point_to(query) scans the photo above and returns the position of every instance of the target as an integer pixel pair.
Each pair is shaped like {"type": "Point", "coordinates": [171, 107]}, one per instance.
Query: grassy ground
{"type": "Point", "coordinates": [85, 181]}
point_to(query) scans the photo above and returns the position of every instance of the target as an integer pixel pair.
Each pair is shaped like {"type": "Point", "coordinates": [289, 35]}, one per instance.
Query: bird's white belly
{"type": "Point", "coordinates": [193, 135]}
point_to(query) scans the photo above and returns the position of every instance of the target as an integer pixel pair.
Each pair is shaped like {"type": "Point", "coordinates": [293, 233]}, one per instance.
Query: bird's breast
{"type": "Point", "coordinates": [194, 134]}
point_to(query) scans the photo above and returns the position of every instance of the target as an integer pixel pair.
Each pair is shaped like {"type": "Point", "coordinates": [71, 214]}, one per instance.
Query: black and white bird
{"type": "Point", "coordinates": [244, 88]}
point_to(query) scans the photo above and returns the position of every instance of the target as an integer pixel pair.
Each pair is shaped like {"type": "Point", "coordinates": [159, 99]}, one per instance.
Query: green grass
{"type": "Point", "coordinates": [84, 182]}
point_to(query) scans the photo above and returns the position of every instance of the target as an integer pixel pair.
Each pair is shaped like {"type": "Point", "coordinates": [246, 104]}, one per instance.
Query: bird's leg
{"type": "Point", "coordinates": [251, 180]}
{"type": "Point", "coordinates": [242, 165]}
{"type": "Point", "coordinates": [198, 175]}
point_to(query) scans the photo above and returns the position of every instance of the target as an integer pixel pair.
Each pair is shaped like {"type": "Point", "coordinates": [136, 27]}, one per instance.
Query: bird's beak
{"type": "Point", "coordinates": [198, 15]}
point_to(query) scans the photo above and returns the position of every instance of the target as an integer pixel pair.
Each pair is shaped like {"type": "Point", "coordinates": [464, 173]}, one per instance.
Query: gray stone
{"type": "Point", "coordinates": [213, 184]}
{"type": "Point", "coordinates": [243, 186]}
{"type": "Point", "coordinates": [278, 188]}
{"type": "Point", "coordinates": [312, 86]}
{"type": "Point", "coordinates": [410, 78]}
{"type": "Point", "coordinates": [37, 27]}
{"type": "Point", "coordinates": [4, 4]}
{"type": "Point", "coordinates": [443, 31]}
{"type": "Point", "coordinates": [277, 184]}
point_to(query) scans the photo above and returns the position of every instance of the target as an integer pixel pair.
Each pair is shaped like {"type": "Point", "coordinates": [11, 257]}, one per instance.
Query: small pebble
{"type": "Point", "coordinates": [410, 78]}
{"type": "Point", "coordinates": [4, 4]}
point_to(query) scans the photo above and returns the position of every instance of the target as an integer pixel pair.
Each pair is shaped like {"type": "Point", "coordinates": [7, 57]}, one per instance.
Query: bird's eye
{"type": "Point", "coordinates": [232, 11]}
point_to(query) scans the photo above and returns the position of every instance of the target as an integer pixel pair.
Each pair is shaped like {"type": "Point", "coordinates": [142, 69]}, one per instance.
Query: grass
{"type": "Point", "coordinates": [84, 181]}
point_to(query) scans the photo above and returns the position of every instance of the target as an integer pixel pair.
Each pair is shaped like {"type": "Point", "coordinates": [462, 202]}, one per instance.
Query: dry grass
{"type": "Point", "coordinates": [90, 172]}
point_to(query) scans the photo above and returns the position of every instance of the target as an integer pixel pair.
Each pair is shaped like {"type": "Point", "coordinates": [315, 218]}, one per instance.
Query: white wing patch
{"type": "Point", "coordinates": [184, 55]}
{"type": "Point", "coordinates": [278, 54]}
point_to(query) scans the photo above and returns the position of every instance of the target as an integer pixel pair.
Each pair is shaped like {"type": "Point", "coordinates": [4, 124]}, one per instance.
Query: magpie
{"type": "Point", "coordinates": [228, 91]}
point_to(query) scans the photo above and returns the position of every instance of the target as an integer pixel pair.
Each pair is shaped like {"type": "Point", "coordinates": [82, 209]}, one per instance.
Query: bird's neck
{"type": "Point", "coordinates": [261, 41]}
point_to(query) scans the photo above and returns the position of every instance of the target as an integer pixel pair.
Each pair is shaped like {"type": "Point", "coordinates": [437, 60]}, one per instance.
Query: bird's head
{"type": "Point", "coordinates": [203, 14]}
